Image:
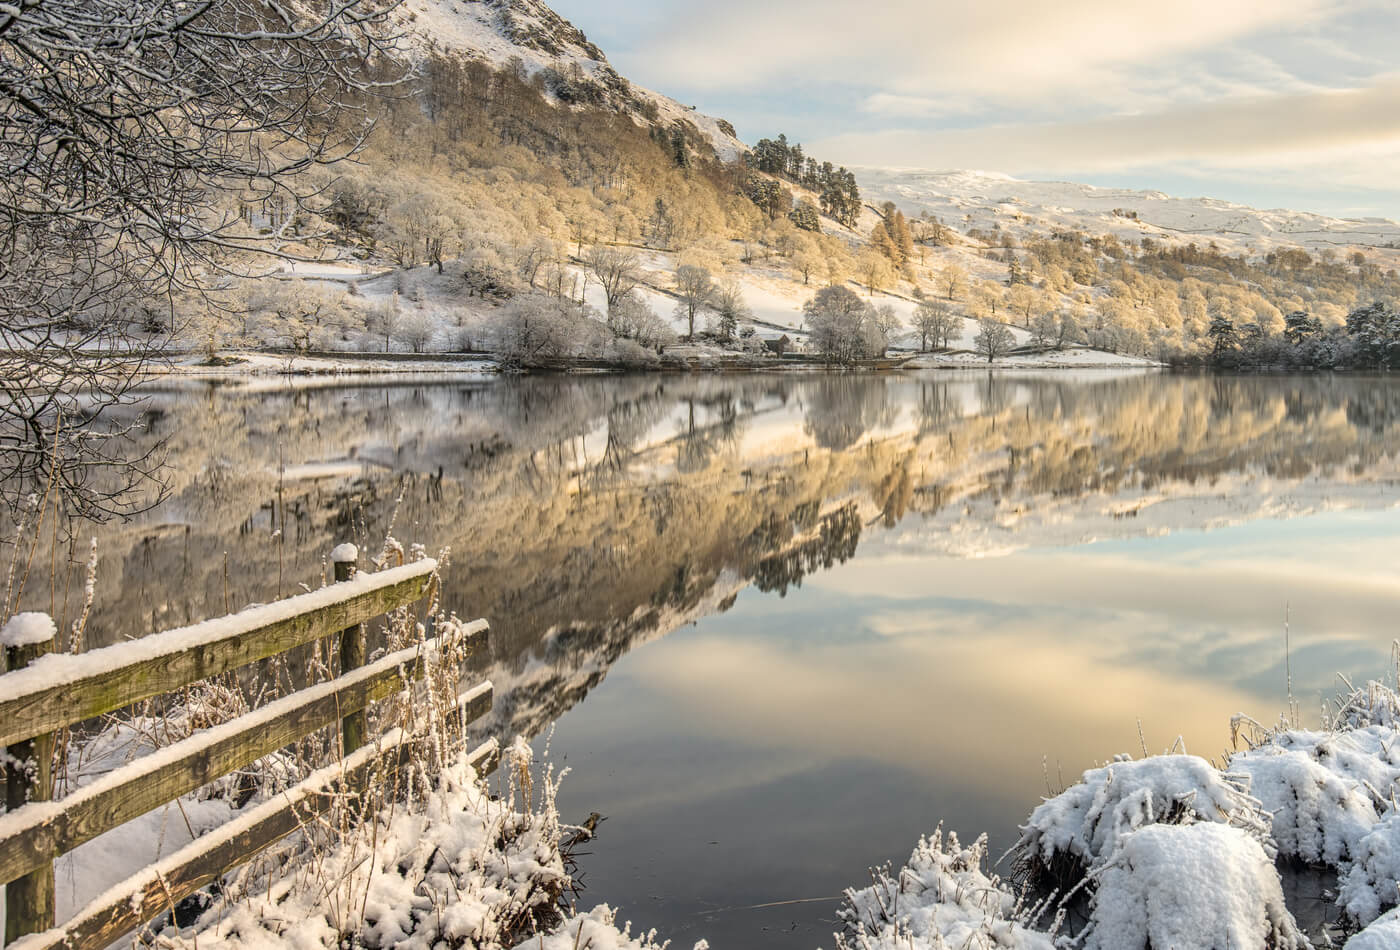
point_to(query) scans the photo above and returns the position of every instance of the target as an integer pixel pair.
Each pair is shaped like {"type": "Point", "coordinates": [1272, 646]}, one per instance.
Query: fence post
{"type": "Point", "coordinates": [28, 778]}
{"type": "Point", "coordinates": [352, 651]}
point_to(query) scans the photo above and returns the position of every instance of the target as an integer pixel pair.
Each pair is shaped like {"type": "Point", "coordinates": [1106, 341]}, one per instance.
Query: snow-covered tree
{"type": "Point", "coordinates": [1044, 330]}
{"type": "Point", "coordinates": [843, 326]}
{"type": "Point", "coordinates": [125, 129]}
{"type": "Point", "coordinates": [993, 339]}
{"type": "Point", "coordinates": [953, 281]}
{"type": "Point", "coordinates": [694, 287]}
{"type": "Point", "coordinates": [729, 307]}
{"type": "Point", "coordinates": [617, 270]}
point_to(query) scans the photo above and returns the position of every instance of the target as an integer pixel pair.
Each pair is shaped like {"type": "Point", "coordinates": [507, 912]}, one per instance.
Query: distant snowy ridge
{"type": "Point", "coordinates": [1024, 207]}
{"type": "Point", "coordinates": [499, 31]}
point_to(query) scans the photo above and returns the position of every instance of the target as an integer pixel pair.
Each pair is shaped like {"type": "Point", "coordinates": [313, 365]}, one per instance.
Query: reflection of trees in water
{"type": "Point", "coordinates": [564, 511]}
{"type": "Point", "coordinates": [842, 408]}
{"type": "Point", "coordinates": [838, 535]}
{"type": "Point", "coordinates": [995, 393]}
{"type": "Point", "coordinates": [700, 442]}
{"type": "Point", "coordinates": [935, 408]}
{"type": "Point", "coordinates": [893, 494]}
{"type": "Point", "coordinates": [1374, 409]}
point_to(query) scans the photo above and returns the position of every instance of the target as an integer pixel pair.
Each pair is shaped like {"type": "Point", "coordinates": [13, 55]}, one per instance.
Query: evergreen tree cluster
{"type": "Point", "coordinates": [1370, 340]}
{"type": "Point", "coordinates": [836, 187]}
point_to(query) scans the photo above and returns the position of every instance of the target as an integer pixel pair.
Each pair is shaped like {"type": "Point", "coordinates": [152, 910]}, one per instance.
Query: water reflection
{"type": "Point", "coordinates": [900, 675]}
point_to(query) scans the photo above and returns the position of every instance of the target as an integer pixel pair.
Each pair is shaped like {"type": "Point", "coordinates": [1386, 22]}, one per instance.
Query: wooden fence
{"type": "Point", "coordinates": [43, 692]}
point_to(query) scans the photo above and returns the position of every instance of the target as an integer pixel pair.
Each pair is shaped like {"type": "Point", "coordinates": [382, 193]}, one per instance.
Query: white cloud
{"type": "Point", "coordinates": [1288, 97]}
{"type": "Point", "coordinates": [893, 105]}
{"type": "Point", "coordinates": [995, 50]}
{"type": "Point", "coordinates": [1283, 130]}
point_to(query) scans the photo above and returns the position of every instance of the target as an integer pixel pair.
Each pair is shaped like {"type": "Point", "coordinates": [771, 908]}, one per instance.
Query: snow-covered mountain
{"type": "Point", "coordinates": [528, 31]}
{"type": "Point", "coordinates": [1025, 207]}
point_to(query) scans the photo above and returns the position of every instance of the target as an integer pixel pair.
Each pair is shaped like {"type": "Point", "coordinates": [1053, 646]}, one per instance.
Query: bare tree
{"type": "Point", "coordinates": [616, 269]}
{"type": "Point", "coordinates": [124, 127]}
{"type": "Point", "coordinates": [695, 288]}
{"type": "Point", "coordinates": [885, 322]}
{"type": "Point", "coordinates": [530, 258]}
{"type": "Point", "coordinates": [1044, 330]}
{"type": "Point", "coordinates": [730, 307]}
{"type": "Point", "coordinates": [953, 280]}
{"type": "Point", "coordinates": [993, 339]}
{"type": "Point", "coordinates": [936, 322]}
{"type": "Point", "coordinates": [842, 325]}
{"type": "Point", "coordinates": [632, 318]}
{"type": "Point", "coordinates": [416, 329]}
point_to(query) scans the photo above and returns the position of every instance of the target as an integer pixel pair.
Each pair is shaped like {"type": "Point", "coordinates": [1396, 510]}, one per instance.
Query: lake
{"type": "Point", "coordinates": [778, 626]}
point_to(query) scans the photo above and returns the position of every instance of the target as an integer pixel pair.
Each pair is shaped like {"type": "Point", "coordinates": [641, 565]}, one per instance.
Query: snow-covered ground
{"type": "Point", "coordinates": [1075, 357]}
{"type": "Point", "coordinates": [1023, 207]}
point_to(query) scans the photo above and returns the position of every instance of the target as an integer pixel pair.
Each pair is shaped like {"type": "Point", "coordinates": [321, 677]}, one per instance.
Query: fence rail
{"type": "Point", "coordinates": [44, 692]}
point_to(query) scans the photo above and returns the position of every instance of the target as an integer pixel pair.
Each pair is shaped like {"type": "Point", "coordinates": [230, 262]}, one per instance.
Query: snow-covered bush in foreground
{"type": "Point", "coordinates": [454, 868]}
{"type": "Point", "coordinates": [1203, 885]}
{"type": "Point", "coordinates": [1083, 824]}
{"type": "Point", "coordinates": [1384, 934]}
{"type": "Point", "coordinates": [941, 898]}
{"type": "Point", "coordinates": [1369, 884]}
{"type": "Point", "coordinates": [1171, 851]}
{"type": "Point", "coordinates": [1318, 816]}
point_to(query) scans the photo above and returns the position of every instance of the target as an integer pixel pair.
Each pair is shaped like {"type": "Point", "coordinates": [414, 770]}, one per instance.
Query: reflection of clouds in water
{"type": "Point", "coordinates": [1212, 620]}
{"type": "Point", "coordinates": [988, 707]}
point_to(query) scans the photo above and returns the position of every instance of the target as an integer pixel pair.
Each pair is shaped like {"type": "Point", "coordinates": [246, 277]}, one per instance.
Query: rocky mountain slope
{"type": "Point", "coordinates": [571, 68]}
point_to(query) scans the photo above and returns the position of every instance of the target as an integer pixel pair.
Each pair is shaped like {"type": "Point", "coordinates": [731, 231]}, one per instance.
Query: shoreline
{"type": "Point", "coordinates": [244, 363]}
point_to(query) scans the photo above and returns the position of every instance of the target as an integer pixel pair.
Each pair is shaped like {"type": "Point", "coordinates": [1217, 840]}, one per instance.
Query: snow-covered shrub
{"type": "Point", "coordinates": [1369, 884]}
{"type": "Point", "coordinates": [941, 898]}
{"type": "Point", "coordinates": [1383, 934]}
{"type": "Point", "coordinates": [1197, 885]}
{"type": "Point", "coordinates": [457, 869]}
{"type": "Point", "coordinates": [1317, 815]}
{"type": "Point", "coordinates": [1080, 827]}
{"type": "Point", "coordinates": [631, 353]}
{"type": "Point", "coordinates": [1365, 754]}
{"type": "Point", "coordinates": [1375, 704]}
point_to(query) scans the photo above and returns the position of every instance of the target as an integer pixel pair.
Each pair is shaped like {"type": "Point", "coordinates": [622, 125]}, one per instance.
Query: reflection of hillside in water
{"type": "Point", "coordinates": [587, 514]}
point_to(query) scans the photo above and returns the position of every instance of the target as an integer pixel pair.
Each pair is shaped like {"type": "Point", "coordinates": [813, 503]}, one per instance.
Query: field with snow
{"type": "Point", "coordinates": [980, 199]}
{"type": "Point", "coordinates": [775, 298]}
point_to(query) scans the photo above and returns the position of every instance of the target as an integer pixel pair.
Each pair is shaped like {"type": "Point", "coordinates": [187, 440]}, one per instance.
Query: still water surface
{"type": "Point", "coordinates": [779, 626]}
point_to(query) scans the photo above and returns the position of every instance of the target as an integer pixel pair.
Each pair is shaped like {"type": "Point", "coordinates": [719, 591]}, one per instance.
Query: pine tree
{"type": "Point", "coordinates": [680, 152]}
{"type": "Point", "coordinates": [1014, 274]}
{"type": "Point", "coordinates": [903, 237]}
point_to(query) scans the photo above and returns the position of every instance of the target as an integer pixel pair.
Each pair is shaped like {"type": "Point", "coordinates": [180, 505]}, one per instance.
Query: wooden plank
{"type": "Point", "coordinates": [29, 898]}
{"type": "Point", "coordinates": [63, 689]}
{"type": "Point", "coordinates": [206, 859]}
{"type": "Point", "coordinates": [30, 837]}
{"type": "Point", "coordinates": [485, 757]}
{"type": "Point", "coordinates": [353, 727]}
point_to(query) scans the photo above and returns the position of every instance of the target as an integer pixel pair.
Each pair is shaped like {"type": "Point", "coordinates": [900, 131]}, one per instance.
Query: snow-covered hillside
{"type": "Point", "coordinates": [1026, 207]}
{"type": "Point", "coordinates": [499, 31]}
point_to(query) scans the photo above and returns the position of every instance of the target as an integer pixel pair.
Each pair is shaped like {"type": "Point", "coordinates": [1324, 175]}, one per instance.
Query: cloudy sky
{"type": "Point", "coordinates": [1275, 103]}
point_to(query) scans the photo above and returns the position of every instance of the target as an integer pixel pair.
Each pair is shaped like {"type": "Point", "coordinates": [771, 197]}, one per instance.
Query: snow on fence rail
{"type": "Point", "coordinates": [43, 692]}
